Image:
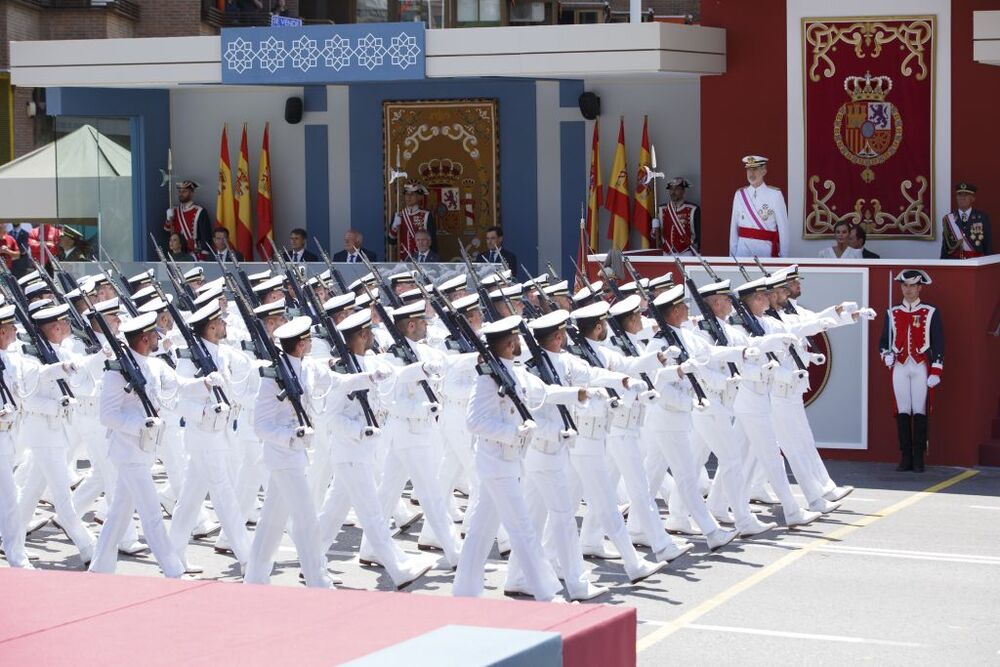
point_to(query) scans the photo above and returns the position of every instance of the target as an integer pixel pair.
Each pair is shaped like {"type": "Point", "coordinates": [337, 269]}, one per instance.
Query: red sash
{"type": "Point", "coordinates": [761, 234]}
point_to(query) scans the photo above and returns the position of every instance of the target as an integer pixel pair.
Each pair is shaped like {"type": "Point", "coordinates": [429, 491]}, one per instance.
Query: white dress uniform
{"type": "Point", "coordinates": [132, 450]}
{"type": "Point", "coordinates": [352, 453]}
{"type": "Point", "coordinates": [285, 456]}
{"type": "Point", "coordinates": [500, 441]}
{"type": "Point", "coordinates": [759, 221]}
{"type": "Point", "coordinates": [208, 440]}
{"type": "Point", "coordinates": [46, 419]}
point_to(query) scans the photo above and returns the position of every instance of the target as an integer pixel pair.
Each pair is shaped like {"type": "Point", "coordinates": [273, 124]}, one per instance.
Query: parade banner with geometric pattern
{"type": "Point", "coordinates": [452, 148]}
{"type": "Point", "coordinates": [869, 125]}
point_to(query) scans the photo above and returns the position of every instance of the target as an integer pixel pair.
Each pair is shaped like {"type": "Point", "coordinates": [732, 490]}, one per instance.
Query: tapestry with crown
{"type": "Point", "coordinates": [451, 148]}
{"type": "Point", "coordinates": [869, 125]}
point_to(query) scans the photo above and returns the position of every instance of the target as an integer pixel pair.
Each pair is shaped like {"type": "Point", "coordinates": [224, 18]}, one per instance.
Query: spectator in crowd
{"type": "Point", "coordinates": [857, 238]}
{"type": "Point", "coordinates": [8, 247]}
{"type": "Point", "coordinates": [297, 251]}
{"type": "Point", "coordinates": [495, 249]}
{"type": "Point", "coordinates": [279, 8]}
{"type": "Point", "coordinates": [71, 245]}
{"type": "Point", "coordinates": [841, 249]}
{"type": "Point", "coordinates": [222, 248]}
{"type": "Point", "coordinates": [353, 239]}
{"type": "Point", "coordinates": [423, 253]}
{"type": "Point", "coordinates": [175, 248]}
{"type": "Point", "coordinates": [22, 236]}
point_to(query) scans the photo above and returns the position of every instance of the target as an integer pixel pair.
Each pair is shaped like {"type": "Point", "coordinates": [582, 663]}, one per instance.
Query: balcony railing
{"type": "Point", "coordinates": [126, 8]}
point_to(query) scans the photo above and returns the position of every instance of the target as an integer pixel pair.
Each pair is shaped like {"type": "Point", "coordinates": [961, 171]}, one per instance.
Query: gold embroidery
{"type": "Point", "coordinates": [868, 38]}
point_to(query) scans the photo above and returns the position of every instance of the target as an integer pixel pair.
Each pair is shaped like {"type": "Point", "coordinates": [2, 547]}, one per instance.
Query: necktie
{"type": "Point", "coordinates": [493, 257]}
{"type": "Point", "coordinates": [350, 259]}
{"type": "Point", "coordinates": [423, 257]}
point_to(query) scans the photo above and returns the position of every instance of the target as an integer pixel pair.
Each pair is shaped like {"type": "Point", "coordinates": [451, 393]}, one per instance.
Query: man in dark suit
{"type": "Point", "coordinates": [221, 247]}
{"type": "Point", "coordinates": [297, 246]}
{"type": "Point", "coordinates": [856, 238]}
{"type": "Point", "coordinates": [965, 231]}
{"type": "Point", "coordinates": [352, 241]}
{"type": "Point", "coordinates": [495, 249]}
{"type": "Point", "coordinates": [423, 253]}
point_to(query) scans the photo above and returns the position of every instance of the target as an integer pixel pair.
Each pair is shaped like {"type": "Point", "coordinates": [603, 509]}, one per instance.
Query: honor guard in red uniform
{"type": "Point", "coordinates": [189, 220]}
{"type": "Point", "coordinates": [411, 219]}
{"type": "Point", "coordinates": [912, 345]}
{"type": "Point", "coordinates": [679, 221]}
{"type": "Point", "coordinates": [965, 232]}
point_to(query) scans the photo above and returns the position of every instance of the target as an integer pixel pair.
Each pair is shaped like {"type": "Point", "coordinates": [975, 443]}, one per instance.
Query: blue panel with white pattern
{"type": "Point", "coordinates": [323, 53]}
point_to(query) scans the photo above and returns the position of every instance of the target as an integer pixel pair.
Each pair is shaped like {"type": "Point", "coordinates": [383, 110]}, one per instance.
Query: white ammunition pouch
{"type": "Point", "coordinates": [7, 425]}
{"type": "Point", "coordinates": [546, 446]}
{"type": "Point", "coordinates": [511, 451]}
{"type": "Point", "coordinates": [784, 390]}
{"type": "Point", "coordinates": [593, 427]}
{"type": "Point", "coordinates": [150, 437]}
{"type": "Point", "coordinates": [215, 417]}
{"type": "Point", "coordinates": [419, 425]}
{"type": "Point", "coordinates": [629, 417]}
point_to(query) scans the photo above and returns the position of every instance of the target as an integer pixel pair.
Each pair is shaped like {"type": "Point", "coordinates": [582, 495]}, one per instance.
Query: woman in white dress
{"type": "Point", "coordinates": [841, 249]}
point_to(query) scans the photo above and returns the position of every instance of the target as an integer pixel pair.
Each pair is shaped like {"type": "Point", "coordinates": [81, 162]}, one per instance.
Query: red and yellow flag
{"type": "Point", "coordinates": [642, 213]}
{"type": "Point", "coordinates": [244, 225]}
{"type": "Point", "coordinates": [618, 195]}
{"type": "Point", "coordinates": [264, 222]}
{"type": "Point", "coordinates": [594, 195]}
{"type": "Point", "coordinates": [225, 212]}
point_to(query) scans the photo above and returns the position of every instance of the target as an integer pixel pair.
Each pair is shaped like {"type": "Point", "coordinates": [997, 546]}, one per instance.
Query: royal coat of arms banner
{"type": "Point", "coordinates": [869, 125]}
{"type": "Point", "coordinates": [451, 148]}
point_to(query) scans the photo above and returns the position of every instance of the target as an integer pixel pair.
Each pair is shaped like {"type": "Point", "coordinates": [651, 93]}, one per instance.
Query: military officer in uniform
{"type": "Point", "coordinates": [189, 219]}
{"type": "Point", "coordinates": [412, 218]}
{"type": "Point", "coordinates": [912, 345]}
{"type": "Point", "coordinates": [759, 224]}
{"type": "Point", "coordinates": [679, 221]}
{"type": "Point", "coordinates": [965, 231]}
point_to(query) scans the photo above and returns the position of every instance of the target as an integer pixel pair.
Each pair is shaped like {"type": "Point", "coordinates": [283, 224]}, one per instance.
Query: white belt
{"type": "Point", "coordinates": [7, 426]}
{"type": "Point", "coordinates": [591, 427]}
{"type": "Point", "coordinates": [757, 387]}
{"type": "Point", "coordinates": [507, 452]}
{"type": "Point", "coordinates": [783, 390]}
{"type": "Point", "coordinates": [546, 446]}
{"type": "Point", "coordinates": [630, 418]}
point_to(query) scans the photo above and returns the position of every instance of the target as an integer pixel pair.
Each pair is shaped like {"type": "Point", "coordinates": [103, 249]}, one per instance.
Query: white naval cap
{"type": "Point", "coordinates": [7, 314]}
{"type": "Point", "coordinates": [538, 281]}
{"type": "Point", "coordinates": [661, 281]}
{"type": "Point", "coordinates": [156, 305]}
{"type": "Point", "coordinates": [212, 284]}
{"type": "Point", "coordinates": [711, 289]}
{"type": "Point", "coordinates": [78, 293]}
{"type": "Point", "coordinates": [147, 292]}
{"type": "Point", "coordinates": [410, 310]}
{"type": "Point", "coordinates": [776, 280]}
{"type": "Point", "coordinates": [410, 296]}
{"type": "Point", "coordinates": [355, 322]}
{"type": "Point", "coordinates": [501, 328]}
{"type": "Point", "coordinates": [631, 287]}
{"type": "Point", "coordinates": [27, 278]}
{"type": "Point", "coordinates": [106, 307]}
{"type": "Point", "coordinates": [257, 277]}
{"type": "Point", "coordinates": [560, 288]}
{"type": "Point", "coordinates": [512, 292]}
{"type": "Point", "coordinates": [205, 313]}
{"type": "Point", "coordinates": [401, 277]}
{"type": "Point", "coordinates": [626, 306]}
{"type": "Point", "coordinates": [51, 314]}
{"type": "Point", "coordinates": [549, 322]}
{"type": "Point", "coordinates": [751, 161]}
{"type": "Point", "coordinates": [592, 292]}
{"type": "Point", "coordinates": [759, 285]}
{"type": "Point", "coordinates": [452, 284]}
{"type": "Point", "coordinates": [269, 285]}
{"type": "Point", "coordinates": [298, 328]}
{"type": "Point", "coordinates": [191, 275]}
{"type": "Point", "coordinates": [494, 278]}
{"type": "Point", "coordinates": [594, 311]}
{"type": "Point", "coordinates": [335, 304]}
{"type": "Point", "coordinates": [36, 288]}
{"type": "Point", "coordinates": [792, 272]}
{"type": "Point", "coordinates": [212, 293]}
{"type": "Point", "coordinates": [139, 324]}
{"type": "Point", "coordinates": [672, 297]}
{"type": "Point", "coordinates": [143, 278]}
{"type": "Point", "coordinates": [466, 303]}
{"type": "Point", "coordinates": [913, 277]}
{"type": "Point", "coordinates": [367, 279]}
{"type": "Point", "coordinates": [364, 300]}
{"type": "Point", "coordinates": [278, 307]}
{"type": "Point", "coordinates": [36, 306]}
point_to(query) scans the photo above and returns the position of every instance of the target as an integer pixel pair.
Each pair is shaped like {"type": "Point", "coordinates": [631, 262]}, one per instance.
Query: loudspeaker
{"type": "Point", "coordinates": [293, 110]}
{"type": "Point", "coordinates": [590, 105]}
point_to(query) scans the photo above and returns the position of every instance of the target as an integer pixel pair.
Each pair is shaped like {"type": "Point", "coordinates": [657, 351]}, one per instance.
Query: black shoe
{"type": "Point", "coordinates": [919, 441]}
{"type": "Point", "coordinates": [904, 427]}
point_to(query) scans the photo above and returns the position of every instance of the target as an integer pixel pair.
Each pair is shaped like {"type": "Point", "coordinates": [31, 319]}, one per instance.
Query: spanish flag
{"type": "Point", "coordinates": [264, 222]}
{"type": "Point", "coordinates": [225, 211]}
{"type": "Point", "coordinates": [618, 195]}
{"type": "Point", "coordinates": [642, 213]}
{"type": "Point", "coordinates": [594, 195]}
{"type": "Point", "coordinates": [244, 224]}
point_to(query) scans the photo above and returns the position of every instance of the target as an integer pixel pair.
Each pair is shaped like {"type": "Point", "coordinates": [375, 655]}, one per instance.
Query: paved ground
{"type": "Point", "coordinates": [897, 576]}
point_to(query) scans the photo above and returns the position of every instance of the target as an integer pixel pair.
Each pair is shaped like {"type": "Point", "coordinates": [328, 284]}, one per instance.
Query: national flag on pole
{"type": "Point", "coordinates": [618, 195]}
{"type": "Point", "coordinates": [594, 195]}
{"type": "Point", "coordinates": [264, 223]}
{"type": "Point", "coordinates": [244, 224]}
{"type": "Point", "coordinates": [642, 213]}
{"type": "Point", "coordinates": [225, 211]}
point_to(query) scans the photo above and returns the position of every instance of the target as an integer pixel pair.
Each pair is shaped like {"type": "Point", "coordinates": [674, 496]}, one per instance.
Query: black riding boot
{"type": "Point", "coordinates": [919, 441]}
{"type": "Point", "coordinates": [904, 425]}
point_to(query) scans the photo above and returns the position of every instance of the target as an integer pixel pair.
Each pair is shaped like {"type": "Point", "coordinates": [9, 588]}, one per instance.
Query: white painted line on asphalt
{"type": "Point", "coordinates": [803, 635]}
{"type": "Point", "coordinates": [976, 559]}
{"type": "Point", "coordinates": [984, 507]}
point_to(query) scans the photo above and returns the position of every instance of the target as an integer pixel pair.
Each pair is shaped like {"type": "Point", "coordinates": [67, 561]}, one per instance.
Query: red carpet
{"type": "Point", "coordinates": [61, 618]}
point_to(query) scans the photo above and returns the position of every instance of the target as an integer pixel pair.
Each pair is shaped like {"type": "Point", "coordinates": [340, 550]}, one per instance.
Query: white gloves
{"type": "Point", "coordinates": [816, 359]}
{"type": "Point", "coordinates": [432, 369]}
{"type": "Point", "coordinates": [7, 414]}
{"type": "Point", "coordinates": [69, 367]}
{"type": "Point", "coordinates": [649, 396]}
{"type": "Point", "coordinates": [933, 381]}
{"type": "Point", "coordinates": [634, 390]}
{"type": "Point", "coordinates": [827, 323]}
{"type": "Point", "coordinates": [889, 359]}
{"type": "Point", "coordinates": [431, 408]}
{"type": "Point", "coordinates": [849, 306]}
{"type": "Point", "coordinates": [672, 352]}
{"type": "Point", "coordinates": [801, 374]}
{"type": "Point", "coordinates": [305, 435]}
{"type": "Point", "coordinates": [107, 351]}
{"type": "Point", "coordinates": [525, 430]}
{"type": "Point", "coordinates": [752, 353]}
{"type": "Point", "coordinates": [769, 367]}
{"type": "Point", "coordinates": [214, 379]}
{"type": "Point", "coordinates": [379, 375]}
{"type": "Point", "coordinates": [775, 343]}
{"type": "Point", "coordinates": [170, 213]}
{"type": "Point", "coordinates": [567, 435]}
{"type": "Point", "coordinates": [66, 405]}
{"type": "Point", "coordinates": [690, 366]}
{"type": "Point", "coordinates": [369, 432]}
{"type": "Point", "coordinates": [596, 394]}
{"type": "Point", "coordinates": [656, 223]}
{"type": "Point", "coordinates": [153, 422]}
{"type": "Point", "coordinates": [865, 314]}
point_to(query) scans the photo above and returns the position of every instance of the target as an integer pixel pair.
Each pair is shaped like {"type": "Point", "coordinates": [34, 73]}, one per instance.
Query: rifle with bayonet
{"type": "Point", "coordinates": [334, 273]}
{"type": "Point", "coordinates": [799, 364]}
{"type": "Point", "coordinates": [546, 370]}
{"type": "Point", "coordinates": [667, 333]}
{"type": "Point", "coordinates": [489, 310]}
{"type": "Point", "coordinates": [292, 277]}
{"type": "Point", "coordinates": [124, 296]}
{"type": "Point", "coordinates": [79, 324]}
{"type": "Point", "coordinates": [581, 346]}
{"type": "Point", "coordinates": [181, 289]}
{"type": "Point", "coordinates": [456, 341]}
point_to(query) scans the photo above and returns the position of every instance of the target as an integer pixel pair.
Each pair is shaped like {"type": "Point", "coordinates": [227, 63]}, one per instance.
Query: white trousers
{"type": "Point", "coordinates": [251, 477]}
{"type": "Point", "coordinates": [730, 487]}
{"type": "Point", "coordinates": [763, 443]}
{"type": "Point", "coordinates": [795, 444]}
{"type": "Point", "coordinates": [684, 459]}
{"type": "Point", "coordinates": [49, 471]}
{"type": "Point", "coordinates": [602, 500]}
{"type": "Point", "coordinates": [103, 476]}
{"type": "Point", "coordinates": [501, 502]}
{"type": "Point", "coordinates": [208, 472]}
{"type": "Point", "coordinates": [354, 486]}
{"type": "Point", "coordinates": [134, 491]}
{"type": "Point", "coordinates": [287, 496]}
{"type": "Point", "coordinates": [909, 384]}
{"type": "Point", "coordinates": [625, 450]}
{"type": "Point", "coordinates": [11, 526]}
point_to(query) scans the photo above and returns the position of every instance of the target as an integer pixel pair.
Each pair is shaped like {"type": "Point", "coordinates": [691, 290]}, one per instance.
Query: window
{"type": "Point", "coordinates": [477, 12]}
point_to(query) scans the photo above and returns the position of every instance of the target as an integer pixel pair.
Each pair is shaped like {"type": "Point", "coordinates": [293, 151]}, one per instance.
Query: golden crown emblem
{"type": "Point", "coordinates": [441, 170]}
{"type": "Point", "coordinates": [867, 87]}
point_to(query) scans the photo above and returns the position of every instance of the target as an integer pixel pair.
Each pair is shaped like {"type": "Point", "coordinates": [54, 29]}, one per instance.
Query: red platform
{"type": "Point", "coordinates": [63, 618]}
